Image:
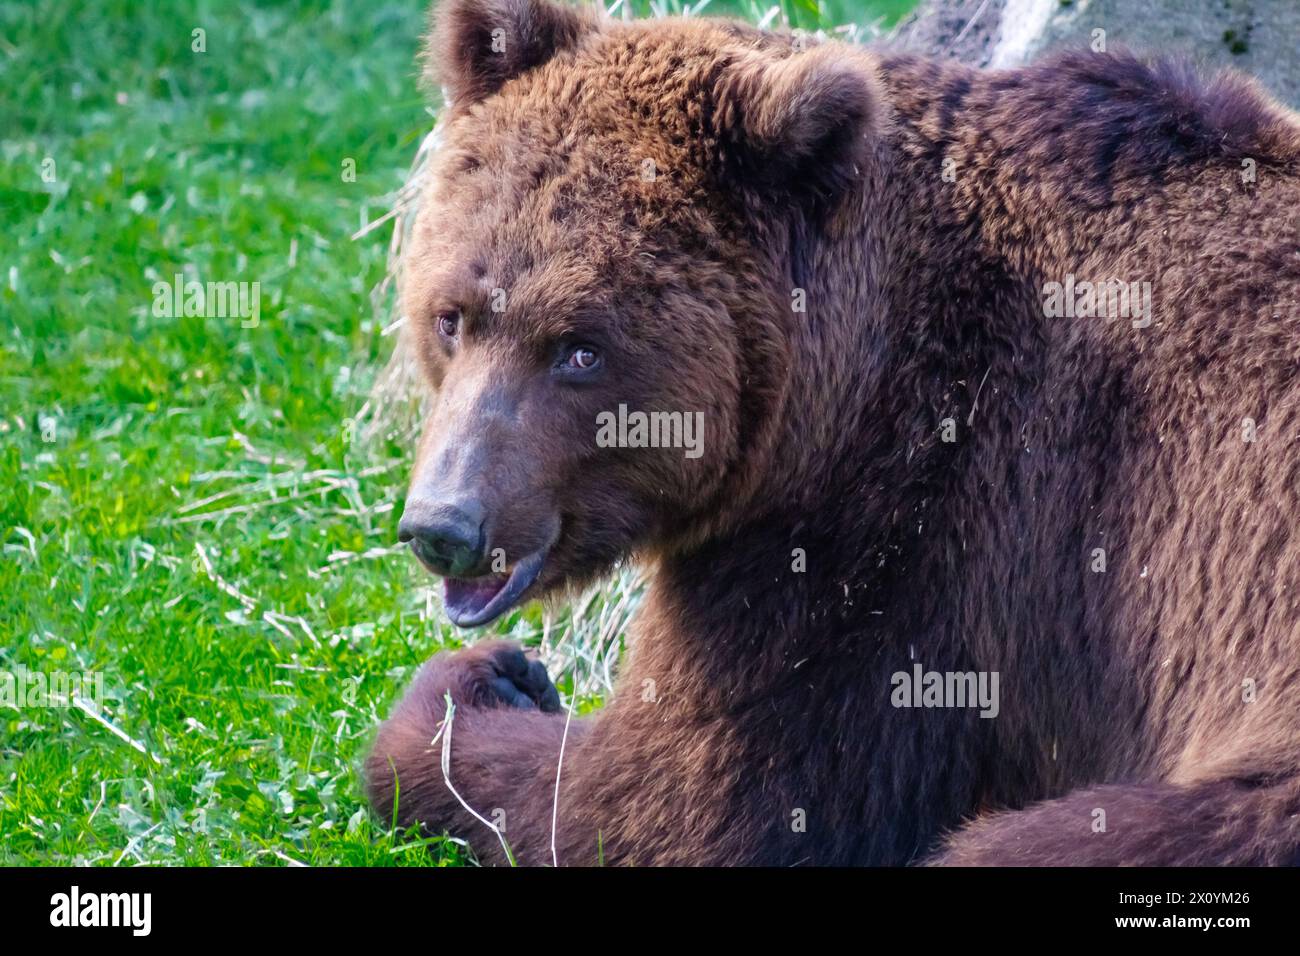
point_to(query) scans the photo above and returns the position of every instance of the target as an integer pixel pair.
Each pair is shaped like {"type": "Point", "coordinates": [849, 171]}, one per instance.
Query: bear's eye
{"type": "Point", "coordinates": [449, 323]}
{"type": "Point", "coordinates": [583, 359]}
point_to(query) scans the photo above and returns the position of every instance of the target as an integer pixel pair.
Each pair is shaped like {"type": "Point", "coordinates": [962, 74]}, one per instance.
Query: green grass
{"type": "Point", "coordinates": [185, 510]}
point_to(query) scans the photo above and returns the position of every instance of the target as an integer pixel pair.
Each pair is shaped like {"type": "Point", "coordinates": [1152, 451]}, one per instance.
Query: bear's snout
{"type": "Point", "coordinates": [446, 537]}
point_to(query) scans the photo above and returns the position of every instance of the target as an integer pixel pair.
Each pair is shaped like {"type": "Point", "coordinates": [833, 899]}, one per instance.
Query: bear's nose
{"type": "Point", "coordinates": [447, 538]}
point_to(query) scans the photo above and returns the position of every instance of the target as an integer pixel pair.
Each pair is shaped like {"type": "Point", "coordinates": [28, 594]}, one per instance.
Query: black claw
{"type": "Point", "coordinates": [523, 683]}
{"type": "Point", "coordinates": [541, 688]}
{"type": "Point", "coordinates": [507, 690]}
{"type": "Point", "coordinates": [511, 662]}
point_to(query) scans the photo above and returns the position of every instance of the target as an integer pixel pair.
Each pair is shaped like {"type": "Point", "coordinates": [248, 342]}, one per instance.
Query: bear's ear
{"type": "Point", "coordinates": [476, 45]}
{"type": "Point", "coordinates": [803, 124]}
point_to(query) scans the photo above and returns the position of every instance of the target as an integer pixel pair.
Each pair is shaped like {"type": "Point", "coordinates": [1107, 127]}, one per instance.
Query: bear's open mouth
{"type": "Point", "coordinates": [471, 602]}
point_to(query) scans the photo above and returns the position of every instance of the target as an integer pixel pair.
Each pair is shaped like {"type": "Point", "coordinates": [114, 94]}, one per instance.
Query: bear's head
{"type": "Point", "coordinates": [599, 282]}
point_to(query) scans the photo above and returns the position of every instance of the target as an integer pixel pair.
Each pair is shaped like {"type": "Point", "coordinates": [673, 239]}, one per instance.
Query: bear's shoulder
{"type": "Point", "coordinates": [1166, 109]}
{"type": "Point", "coordinates": [1094, 120]}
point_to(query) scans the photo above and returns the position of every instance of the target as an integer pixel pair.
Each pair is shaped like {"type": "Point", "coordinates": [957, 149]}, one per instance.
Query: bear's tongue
{"type": "Point", "coordinates": [470, 602]}
{"type": "Point", "coordinates": [465, 598]}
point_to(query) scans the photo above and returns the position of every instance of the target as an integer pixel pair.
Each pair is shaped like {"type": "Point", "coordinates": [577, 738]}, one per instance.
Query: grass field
{"type": "Point", "coordinates": [185, 509]}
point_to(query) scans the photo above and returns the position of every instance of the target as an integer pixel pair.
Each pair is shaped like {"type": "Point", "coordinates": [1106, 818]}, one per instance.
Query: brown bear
{"type": "Point", "coordinates": [987, 552]}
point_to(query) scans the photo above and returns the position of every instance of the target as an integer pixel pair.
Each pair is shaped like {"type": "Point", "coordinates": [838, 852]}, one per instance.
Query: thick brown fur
{"type": "Point", "coordinates": [753, 693]}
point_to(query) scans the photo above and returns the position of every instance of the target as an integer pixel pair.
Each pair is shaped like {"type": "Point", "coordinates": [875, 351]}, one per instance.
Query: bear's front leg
{"type": "Point", "coordinates": [505, 736]}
